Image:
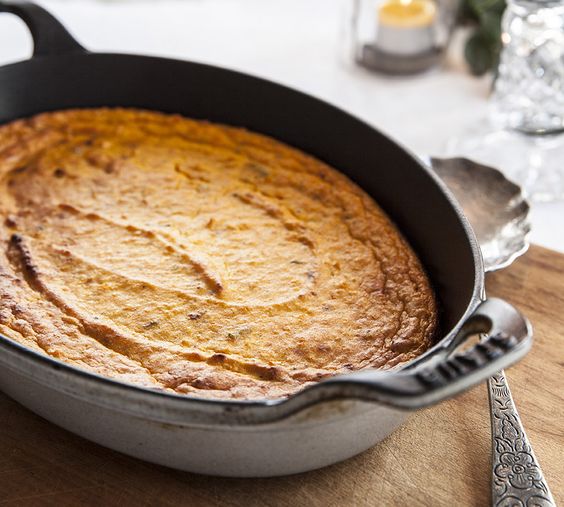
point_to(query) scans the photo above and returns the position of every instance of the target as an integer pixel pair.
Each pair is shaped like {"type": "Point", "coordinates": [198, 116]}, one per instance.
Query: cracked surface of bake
{"type": "Point", "coordinates": [198, 258]}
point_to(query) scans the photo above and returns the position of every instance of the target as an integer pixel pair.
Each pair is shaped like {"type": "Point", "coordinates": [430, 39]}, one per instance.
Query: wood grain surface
{"type": "Point", "coordinates": [441, 456]}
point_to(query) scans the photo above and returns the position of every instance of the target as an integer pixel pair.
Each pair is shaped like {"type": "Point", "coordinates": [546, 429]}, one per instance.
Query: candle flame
{"type": "Point", "coordinates": [407, 13]}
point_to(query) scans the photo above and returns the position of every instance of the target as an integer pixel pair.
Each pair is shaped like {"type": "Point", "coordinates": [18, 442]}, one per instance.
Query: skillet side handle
{"type": "Point", "coordinates": [50, 37]}
{"type": "Point", "coordinates": [509, 337]}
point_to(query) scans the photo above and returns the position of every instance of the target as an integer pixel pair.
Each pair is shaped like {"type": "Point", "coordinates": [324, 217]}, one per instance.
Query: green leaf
{"type": "Point", "coordinates": [472, 10]}
{"type": "Point", "coordinates": [479, 54]}
{"type": "Point", "coordinates": [467, 13]}
{"type": "Point", "coordinates": [483, 47]}
{"type": "Point", "coordinates": [481, 6]}
{"type": "Point", "coordinates": [490, 26]}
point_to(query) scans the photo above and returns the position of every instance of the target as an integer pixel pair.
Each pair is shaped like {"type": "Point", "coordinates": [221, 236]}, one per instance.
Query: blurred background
{"type": "Point", "coordinates": [310, 45]}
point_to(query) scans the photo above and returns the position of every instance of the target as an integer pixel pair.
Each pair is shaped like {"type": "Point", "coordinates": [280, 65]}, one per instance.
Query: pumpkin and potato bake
{"type": "Point", "coordinates": [198, 258]}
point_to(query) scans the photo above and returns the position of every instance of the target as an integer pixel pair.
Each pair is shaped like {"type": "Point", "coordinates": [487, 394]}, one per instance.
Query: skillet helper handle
{"type": "Point", "coordinates": [509, 337]}
{"type": "Point", "coordinates": [50, 37]}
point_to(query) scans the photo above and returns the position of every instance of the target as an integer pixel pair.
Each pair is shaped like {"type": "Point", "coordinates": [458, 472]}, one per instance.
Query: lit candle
{"type": "Point", "coordinates": [406, 27]}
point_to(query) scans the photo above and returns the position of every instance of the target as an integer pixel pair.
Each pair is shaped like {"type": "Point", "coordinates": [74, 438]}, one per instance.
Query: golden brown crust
{"type": "Point", "coordinates": [198, 258]}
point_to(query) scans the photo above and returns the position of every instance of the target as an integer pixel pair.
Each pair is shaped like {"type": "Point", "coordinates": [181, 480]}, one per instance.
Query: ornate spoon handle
{"type": "Point", "coordinates": [517, 479]}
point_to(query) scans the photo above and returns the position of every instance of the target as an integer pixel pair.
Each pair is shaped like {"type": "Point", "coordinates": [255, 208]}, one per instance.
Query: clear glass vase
{"type": "Point", "coordinates": [524, 134]}
{"type": "Point", "coordinates": [529, 90]}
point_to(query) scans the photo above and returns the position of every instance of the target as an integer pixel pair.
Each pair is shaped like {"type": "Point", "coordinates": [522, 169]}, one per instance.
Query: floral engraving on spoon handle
{"type": "Point", "coordinates": [517, 479]}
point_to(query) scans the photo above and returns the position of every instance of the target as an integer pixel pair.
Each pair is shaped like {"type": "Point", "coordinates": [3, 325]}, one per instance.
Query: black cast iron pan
{"type": "Point", "coordinates": [62, 74]}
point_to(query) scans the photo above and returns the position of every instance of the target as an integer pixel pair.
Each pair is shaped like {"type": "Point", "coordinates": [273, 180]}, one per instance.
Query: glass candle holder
{"type": "Point", "coordinates": [399, 36]}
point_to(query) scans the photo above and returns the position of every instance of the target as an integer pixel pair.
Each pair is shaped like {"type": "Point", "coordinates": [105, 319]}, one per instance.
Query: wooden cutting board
{"type": "Point", "coordinates": [440, 457]}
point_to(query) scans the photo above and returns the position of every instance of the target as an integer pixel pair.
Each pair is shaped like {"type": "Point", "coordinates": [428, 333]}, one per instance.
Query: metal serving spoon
{"type": "Point", "coordinates": [499, 215]}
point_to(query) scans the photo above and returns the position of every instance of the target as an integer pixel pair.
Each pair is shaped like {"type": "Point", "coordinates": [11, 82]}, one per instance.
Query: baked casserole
{"type": "Point", "coordinates": [198, 258]}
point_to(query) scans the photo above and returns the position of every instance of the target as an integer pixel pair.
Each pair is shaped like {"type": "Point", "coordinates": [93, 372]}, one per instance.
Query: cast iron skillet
{"type": "Point", "coordinates": [62, 74]}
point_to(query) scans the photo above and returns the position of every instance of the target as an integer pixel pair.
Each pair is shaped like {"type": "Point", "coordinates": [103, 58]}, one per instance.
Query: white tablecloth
{"type": "Point", "coordinates": [295, 42]}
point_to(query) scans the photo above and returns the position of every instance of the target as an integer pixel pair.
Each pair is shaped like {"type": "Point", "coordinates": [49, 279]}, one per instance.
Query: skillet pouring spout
{"type": "Point", "coordinates": [445, 374]}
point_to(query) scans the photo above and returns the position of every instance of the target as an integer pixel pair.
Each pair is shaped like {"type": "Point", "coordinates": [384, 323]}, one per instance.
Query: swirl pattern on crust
{"type": "Point", "coordinates": [198, 258]}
